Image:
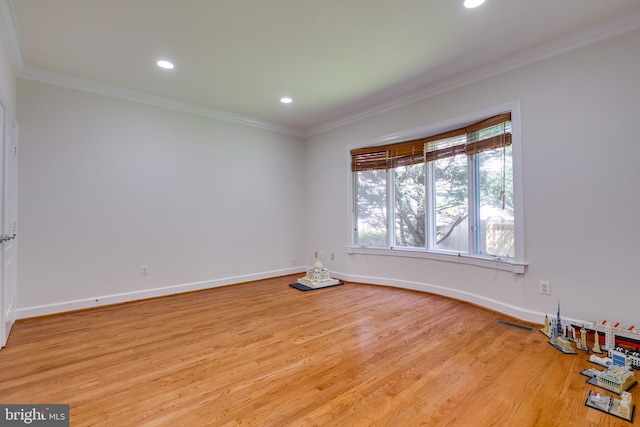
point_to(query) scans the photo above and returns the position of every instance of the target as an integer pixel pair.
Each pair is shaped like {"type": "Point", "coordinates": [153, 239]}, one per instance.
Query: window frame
{"type": "Point", "coordinates": [517, 264]}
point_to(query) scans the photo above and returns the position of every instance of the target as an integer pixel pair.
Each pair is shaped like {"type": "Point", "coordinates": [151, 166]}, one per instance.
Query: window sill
{"type": "Point", "coordinates": [477, 260]}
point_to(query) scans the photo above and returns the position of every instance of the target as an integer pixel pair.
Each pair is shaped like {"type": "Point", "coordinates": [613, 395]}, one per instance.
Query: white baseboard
{"type": "Point", "coordinates": [499, 306]}
{"type": "Point", "coordinates": [102, 300]}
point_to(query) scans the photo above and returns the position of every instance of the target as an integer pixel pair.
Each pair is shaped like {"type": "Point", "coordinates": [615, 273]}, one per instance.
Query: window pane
{"type": "Point", "coordinates": [409, 205]}
{"type": "Point", "coordinates": [451, 201]}
{"type": "Point", "coordinates": [497, 232]}
{"type": "Point", "coordinates": [371, 209]}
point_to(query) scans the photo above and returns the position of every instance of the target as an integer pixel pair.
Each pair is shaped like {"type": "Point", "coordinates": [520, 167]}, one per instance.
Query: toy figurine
{"type": "Point", "coordinates": [559, 321]}
{"type": "Point", "coordinates": [596, 343]}
{"type": "Point", "coordinates": [621, 408]}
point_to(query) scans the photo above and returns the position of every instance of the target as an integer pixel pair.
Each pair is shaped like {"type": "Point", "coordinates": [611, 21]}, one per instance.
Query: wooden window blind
{"type": "Point", "coordinates": [494, 132]}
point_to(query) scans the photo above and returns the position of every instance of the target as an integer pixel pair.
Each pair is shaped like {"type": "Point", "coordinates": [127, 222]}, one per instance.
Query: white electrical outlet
{"type": "Point", "coordinates": [545, 287]}
{"type": "Point", "coordinates": [333, 257]}
{"type": "Point", "coordinates": [144, 270]}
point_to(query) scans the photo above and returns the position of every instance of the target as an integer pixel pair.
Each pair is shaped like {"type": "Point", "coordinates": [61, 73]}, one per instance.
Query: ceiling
{"type": "Point", "coordinates": [337, 59]}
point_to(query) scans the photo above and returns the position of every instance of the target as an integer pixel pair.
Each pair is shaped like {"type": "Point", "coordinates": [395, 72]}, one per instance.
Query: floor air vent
{"type": "Point", "coordinates": [515, 325]}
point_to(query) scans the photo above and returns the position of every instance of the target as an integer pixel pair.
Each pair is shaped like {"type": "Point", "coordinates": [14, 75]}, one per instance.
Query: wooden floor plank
{"type": "Point", "coordinates": [265, 354]}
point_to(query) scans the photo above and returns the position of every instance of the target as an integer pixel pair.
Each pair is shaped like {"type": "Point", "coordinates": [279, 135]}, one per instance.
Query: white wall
{"type": "Point", "coordinates": [107, 186]}
{"type": "Point", "coordinates": [7, 81]}
{"type": "Point", "coordinates": [581, 204]}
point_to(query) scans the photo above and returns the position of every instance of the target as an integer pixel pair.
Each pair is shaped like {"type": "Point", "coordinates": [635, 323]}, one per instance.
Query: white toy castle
{"type": "Point", "coordinates": [318, 277]}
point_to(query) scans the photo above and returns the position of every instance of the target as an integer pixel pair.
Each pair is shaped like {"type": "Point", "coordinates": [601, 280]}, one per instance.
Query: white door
{"type": "Point", "coordinates": [10, 229]}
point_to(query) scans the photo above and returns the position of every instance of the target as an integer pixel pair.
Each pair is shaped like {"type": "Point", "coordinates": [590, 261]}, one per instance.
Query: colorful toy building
{"type": "Point", "coordinates": [616, 379]}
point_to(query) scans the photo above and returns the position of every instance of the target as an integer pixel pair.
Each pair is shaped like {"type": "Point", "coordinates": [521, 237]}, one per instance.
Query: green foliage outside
{"type": "Point", "coordinates": [451, 214]}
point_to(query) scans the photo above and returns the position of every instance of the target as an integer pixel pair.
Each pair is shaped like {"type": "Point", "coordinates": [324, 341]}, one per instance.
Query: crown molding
{"type": "Point", "coordinates": [58, 79]}
{"type": "Point", "coordinates": [11, 36]}
{"type": "Point", "coordinates": [606, 30]}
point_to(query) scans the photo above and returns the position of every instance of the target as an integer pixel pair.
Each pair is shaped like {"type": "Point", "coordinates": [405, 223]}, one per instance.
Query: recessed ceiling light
{"type": "Point", "coordinates": [286, 100]}
{"type": "Point", "coordinates": [472, 3]}
{"type": "Point", "coordinates": [165, 64]}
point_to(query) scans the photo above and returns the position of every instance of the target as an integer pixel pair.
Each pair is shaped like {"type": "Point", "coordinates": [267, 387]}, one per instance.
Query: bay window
{"type": "Point", "coordinates": [450, 193]}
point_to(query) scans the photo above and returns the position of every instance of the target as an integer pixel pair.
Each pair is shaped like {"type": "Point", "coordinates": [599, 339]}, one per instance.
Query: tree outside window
{"type": "Point", "coordinates": [450, 192]}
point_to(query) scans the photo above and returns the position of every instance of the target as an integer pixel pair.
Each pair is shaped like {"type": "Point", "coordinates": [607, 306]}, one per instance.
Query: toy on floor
{"type": "Point", "coordinates": [621, 408]}
{"type": "Point", "coordinates": [556, 332]}
{"type": "Point", "coordinates": [618, 377]}
{"type": "Point", "coordinates": [318, 277]}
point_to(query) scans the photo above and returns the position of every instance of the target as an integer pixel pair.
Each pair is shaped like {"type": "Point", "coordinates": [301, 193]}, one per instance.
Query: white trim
{"type": "Point", "coordinates": [517, 265]}
{"type": "Point", "coordinates": [102, 300]}
{"type": "Point", "coordinates": [468, 259]}
{"type": "Point", "coordinates": [9, 28]}
{"type": "Point", "coordinates": [491, 304]}
{"type": "Point", "coordinates": [608, 29]}
{"type": "Point", "coordinates": [488, 303]}
{"type": "Point", "coordinates": [479, 300]}
{"type": "Point", "coordinates": [13, 42]}
{"type": "Point", "coordinates": [58, 79]}
{"type": "Point", "coordinates": [440, 127]}
{"type": "Point", "coordinates": [518, 183]}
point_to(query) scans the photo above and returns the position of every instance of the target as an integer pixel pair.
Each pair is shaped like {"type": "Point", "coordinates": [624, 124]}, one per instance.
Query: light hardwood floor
{"type": "Point", "coordinates": [265, 354]}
